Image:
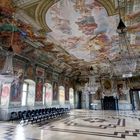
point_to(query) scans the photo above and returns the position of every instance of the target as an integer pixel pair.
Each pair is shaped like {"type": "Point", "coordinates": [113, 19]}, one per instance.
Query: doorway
{"type": "Point", "coordinates": [109, 103]}
{"type": "Point", "coordinates": [79, 100]}
{"type": "Point", "coordinates": [90, 101]}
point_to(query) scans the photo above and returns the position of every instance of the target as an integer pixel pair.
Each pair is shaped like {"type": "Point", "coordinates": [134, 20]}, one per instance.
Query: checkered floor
{"type": "Point", "coordinates": [83, 124]}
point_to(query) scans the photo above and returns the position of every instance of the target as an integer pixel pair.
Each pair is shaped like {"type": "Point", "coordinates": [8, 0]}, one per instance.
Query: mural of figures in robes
{"type": "Point", "coordinates": [98, 94]}
{"type": "Point", "coordinates": [55, 91]}
{"type": "Point", "coordinates": [5, 94]}
{"type": "Point", "coordinates": [16, 87]}
{"type": "Point", "coordinates": [66, 92]}
{"type": "Point", "coordinates": [39, 89]}
{"type": "Point", "coordinates": [121, 93]}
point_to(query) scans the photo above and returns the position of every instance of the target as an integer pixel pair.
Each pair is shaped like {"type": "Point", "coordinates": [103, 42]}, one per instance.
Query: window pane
{"type": "Point", "coordinates": [44, 92]}
{"type": "Point", "coordinates": [24, 94]}
{"type": "Point", "coordinates": [25, 87]}
{"type": "Point", "coordinates": [44, 89]}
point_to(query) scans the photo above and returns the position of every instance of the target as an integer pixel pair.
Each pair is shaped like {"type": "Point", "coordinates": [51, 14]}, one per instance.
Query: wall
{"type": "Point", "coordinates": [117, 88]}
{"type": "Point", "coordinates": [33, 73]}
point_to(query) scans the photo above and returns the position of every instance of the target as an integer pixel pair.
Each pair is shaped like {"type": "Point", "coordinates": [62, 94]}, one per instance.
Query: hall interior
{"type": "Point", "coordinates": [69, 69]}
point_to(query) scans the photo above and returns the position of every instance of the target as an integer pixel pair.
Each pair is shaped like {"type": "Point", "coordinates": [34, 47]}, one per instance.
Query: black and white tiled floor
{"type": "Point", "coordinates": [80, 124]}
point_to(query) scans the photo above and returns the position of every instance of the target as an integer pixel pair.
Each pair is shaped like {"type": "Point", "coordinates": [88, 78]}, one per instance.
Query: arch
{"type": "Point", "coordinates": [61, 95]}
{"type": "Point", "coordinates": [40, 13]}
{"type": "Point", "coordinates": [28, 92]}
{"type": "Point", "coordinates": [71, 97]}
{"type": "Point", "coordinates": [47, 94]}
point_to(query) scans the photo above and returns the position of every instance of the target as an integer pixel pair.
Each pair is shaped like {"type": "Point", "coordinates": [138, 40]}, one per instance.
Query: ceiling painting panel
{"type": "Point", "coordinates": [82, 28]}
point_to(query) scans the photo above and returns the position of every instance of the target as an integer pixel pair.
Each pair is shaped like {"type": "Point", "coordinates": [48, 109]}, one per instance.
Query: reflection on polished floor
{"type": "Point", "coordinates": [79, 124]}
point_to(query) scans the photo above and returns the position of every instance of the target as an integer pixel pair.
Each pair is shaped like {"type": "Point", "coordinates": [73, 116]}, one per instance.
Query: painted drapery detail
{"type": "Point", "coordinates": [39, 88]}
{"type": "Point", "coordinates": [16, 87]}
{"type": "Point", "coordinates": [122, 94]}
{"type": "Point", "coordinates": [55, 91]}
{"type": "Point", "coordinates": [66, 92]}
{"type": "Point", "coordinates": [5, 94]}
{"type": "Point", "coordinates": [16, 90]}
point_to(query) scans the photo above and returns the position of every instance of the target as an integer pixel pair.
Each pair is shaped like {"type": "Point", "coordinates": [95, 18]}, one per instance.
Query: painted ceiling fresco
{"type": "Point", "coordinates": [86, 31]}
{"type": "Point", "coordinates": [81, 30]}
{"type": "Point", "coordinates": [81, 34]}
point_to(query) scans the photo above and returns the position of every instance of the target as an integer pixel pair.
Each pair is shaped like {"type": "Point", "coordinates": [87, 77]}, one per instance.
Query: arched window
{"type": "Point", "coordinates": [61, 95]}
{"type": "Point", "coordinates": [24, 94]}
{"type": "Point", "coordinates": [71, 97]}
{"type": "Point", "coordinates": [28, 93]}
{"type": "Point", "coordinates": [47, 94]}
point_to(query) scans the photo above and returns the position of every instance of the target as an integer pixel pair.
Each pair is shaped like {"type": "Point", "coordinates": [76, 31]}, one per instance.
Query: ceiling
{"type": "Point", "coordinates": [78, 32]}
{"type": "Point", "coordinates": [72, 35]}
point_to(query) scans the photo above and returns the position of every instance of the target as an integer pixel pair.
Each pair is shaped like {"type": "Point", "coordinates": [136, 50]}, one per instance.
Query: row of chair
{"type": "Point", "coordinates": [38, 115]}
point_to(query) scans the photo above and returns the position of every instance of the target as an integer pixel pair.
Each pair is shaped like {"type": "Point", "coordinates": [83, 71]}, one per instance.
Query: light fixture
{"type": "Point", "coordinates": [127, 75]}
{"type": "Point", "coordinates": [10, 49]}
{"type": "Point", "coordinates": [121, 29]}
{"type": "Point", "coordinates": [91, 68]}
{"type": "Point", "coordinates": [126, 63]}
{"type": "Point", "coordinates": [91, 86]}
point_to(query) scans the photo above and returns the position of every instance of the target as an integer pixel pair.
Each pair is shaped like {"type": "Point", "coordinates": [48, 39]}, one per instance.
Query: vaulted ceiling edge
{"type": "Point", "coordinates": [41, 11]}
{"type": "Point", "coordinates": [108, 5]}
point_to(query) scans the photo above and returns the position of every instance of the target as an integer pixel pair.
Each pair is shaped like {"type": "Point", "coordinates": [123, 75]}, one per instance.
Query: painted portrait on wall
{"type": "Point", "coordinates": [55, 91]}
{"type": "Point", "coordinates": [66, 92]}
{"type": "Point", "coordinates": [107, 87]}
{"type": "Point", "coordinates": [40, 72]}
{"type": "Point", "coordinates": [16, 87]}
{"type": "Point", "coordinates": [16, 90]}
{"type": "Point", "coordinates": [39, 89]}
{"type": "Point", "coordinates": [121, 92]}
{"type": "Point", "coordinates": [98, 94]}
{"type": "Point", "coordinates": [30, 73]}
{"type": "Point", "coordinates": [5, 94]}
{"type": "Point", "coordinates": [48, 76]}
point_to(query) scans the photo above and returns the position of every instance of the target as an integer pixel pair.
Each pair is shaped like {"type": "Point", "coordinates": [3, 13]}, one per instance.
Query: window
{"type": "Point", "coordinates": [61, 95]}
{"type": "Point", "coordinates": [71, 97]}
{"type": "Point", "coordinates": [47, 94]}
{"type": "Point", "coordinates": [24, 94]}
{"type": "Point", "coordinates": [139, 94]}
